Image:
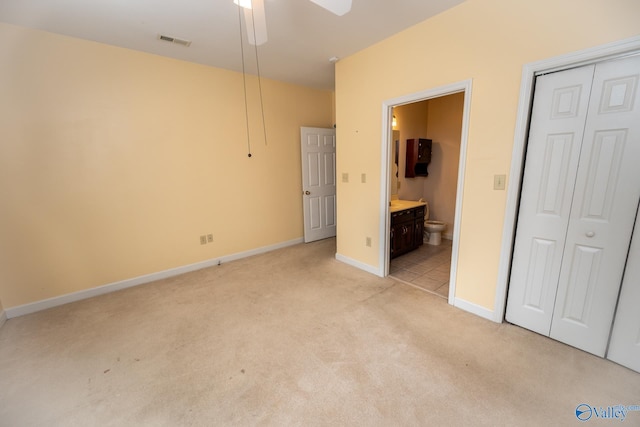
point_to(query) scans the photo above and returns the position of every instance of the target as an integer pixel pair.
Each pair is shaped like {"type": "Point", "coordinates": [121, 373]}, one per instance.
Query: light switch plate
{"type": "Point", "coordinates": [363, 178]}
{"type": "Point", "coordinates": [345, 177]}
{"type": "Point", "coordinates": [499, 182]}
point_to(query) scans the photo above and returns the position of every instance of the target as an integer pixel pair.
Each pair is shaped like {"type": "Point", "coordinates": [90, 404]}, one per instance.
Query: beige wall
{"type": "Point", "coordinates": [488, 41]}
{"type": "Point", "coordinates": [113, 163]}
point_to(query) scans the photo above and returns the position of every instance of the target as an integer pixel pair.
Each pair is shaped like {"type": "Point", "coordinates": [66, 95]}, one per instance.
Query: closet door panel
{"type": "Point", "coordinates": [557, 125]}
{"type": "Point", "coordinates": [606, 196]}
{"type": "Point", "coordinates": [624, 347]}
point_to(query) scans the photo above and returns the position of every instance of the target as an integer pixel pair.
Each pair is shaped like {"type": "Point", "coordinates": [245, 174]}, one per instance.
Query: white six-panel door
{"type": "Point", "coordinates": [318, 148]}
{"type": "Point", "coordinates": [604, 210]}
{"type": "Point", "coordinates": [580, 192]}
{"type": "Point", "coordinates": [553, 152]}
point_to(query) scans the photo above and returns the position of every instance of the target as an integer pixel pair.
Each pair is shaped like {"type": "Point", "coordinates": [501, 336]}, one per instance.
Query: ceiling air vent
{"type": "Point", "coordinates": [175, 40]}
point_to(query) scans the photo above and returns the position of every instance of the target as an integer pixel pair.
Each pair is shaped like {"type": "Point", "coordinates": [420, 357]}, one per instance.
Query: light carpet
{"type": "Point", "coordinates": [291, 337]}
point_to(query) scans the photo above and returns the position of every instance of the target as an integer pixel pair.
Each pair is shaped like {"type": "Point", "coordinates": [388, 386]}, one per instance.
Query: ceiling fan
{"type": "Point", "coordinates": [256, 23]}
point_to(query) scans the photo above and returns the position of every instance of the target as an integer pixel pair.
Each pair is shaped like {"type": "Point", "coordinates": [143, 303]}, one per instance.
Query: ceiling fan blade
{"type": "Point", "coordinates": [337, 7]}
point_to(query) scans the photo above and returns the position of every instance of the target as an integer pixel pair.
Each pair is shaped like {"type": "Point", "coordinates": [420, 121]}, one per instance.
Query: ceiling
{"type": "Point", "coordinates": [302, 36]}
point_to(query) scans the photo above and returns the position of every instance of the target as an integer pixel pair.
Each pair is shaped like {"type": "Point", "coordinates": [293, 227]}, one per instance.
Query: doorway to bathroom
{"type": "Point", "coordinates": [441, 116]}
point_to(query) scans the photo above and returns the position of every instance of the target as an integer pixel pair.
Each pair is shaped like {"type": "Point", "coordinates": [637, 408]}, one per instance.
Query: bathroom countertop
{"type": "Point", "coordinates": [400, 205]}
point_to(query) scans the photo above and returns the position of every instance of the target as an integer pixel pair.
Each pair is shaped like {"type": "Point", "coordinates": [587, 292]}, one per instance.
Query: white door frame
{"type": "Point", "coordinates": [385, 181]}
{"type": "Point", "coordinates": [529, 72]}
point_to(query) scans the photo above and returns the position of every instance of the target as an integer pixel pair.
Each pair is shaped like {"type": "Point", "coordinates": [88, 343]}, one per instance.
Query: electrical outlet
{"type": "Point", "coordinates": [363, 178]}
{"type": "Point", "coordinates": [209, 238]}
{"type": "Point", "coordinates": [203, 240]}
{"type": "Point", "coordinates": [345, 177]}
{"type": "Point", "coordinates": [499, 182]}
{"type": "Point", "coordinates": [368, 241]}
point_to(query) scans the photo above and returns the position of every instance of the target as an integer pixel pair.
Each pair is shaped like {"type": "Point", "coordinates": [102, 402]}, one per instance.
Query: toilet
{"type": "Point", "coordinates": [432, 229]}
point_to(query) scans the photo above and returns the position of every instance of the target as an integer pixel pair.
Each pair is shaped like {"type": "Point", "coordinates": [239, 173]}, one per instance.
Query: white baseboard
{"type": "Point", "coordinates": [3, 317]}
{"type": "Point", "coordinates": [475, 309]}
{"type": "Point", "coordinates": [33, 307]}
{"type": "Point", "coordinates": [361, 265]}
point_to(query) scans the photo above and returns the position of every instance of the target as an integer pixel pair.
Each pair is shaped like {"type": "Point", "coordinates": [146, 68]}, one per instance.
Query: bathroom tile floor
{"type": "Point", "coordinates": [427, 268]}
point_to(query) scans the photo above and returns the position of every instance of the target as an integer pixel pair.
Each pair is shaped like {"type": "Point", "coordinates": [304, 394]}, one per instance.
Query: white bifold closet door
{"type": "Point", "coordinates": [580, 194]}
{"type": "Point", "coordinates": [624, 347]}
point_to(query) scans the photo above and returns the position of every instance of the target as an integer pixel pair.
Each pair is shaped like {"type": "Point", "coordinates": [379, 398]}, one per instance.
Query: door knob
{"type": "Point", "coordinates": [590, 234]}
{"type": "Point", "coordinates": [307, 192]}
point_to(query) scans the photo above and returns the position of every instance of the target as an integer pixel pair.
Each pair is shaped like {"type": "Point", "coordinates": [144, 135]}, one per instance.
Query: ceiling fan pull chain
{"type": "Point", "coordinates": [244, 82]}
{"type": "Point", "coordinates": [255, 46]}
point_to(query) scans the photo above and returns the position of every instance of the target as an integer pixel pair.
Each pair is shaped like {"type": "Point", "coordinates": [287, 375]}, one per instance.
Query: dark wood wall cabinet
{"type": "Point", "coordinates": [407, 227]}
{"type": "Point", "coordinates": [418, 157]}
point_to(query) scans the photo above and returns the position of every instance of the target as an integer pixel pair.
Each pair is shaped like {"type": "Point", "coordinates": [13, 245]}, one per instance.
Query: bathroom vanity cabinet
{"type": "Point", "coordinates": [407, 227]}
